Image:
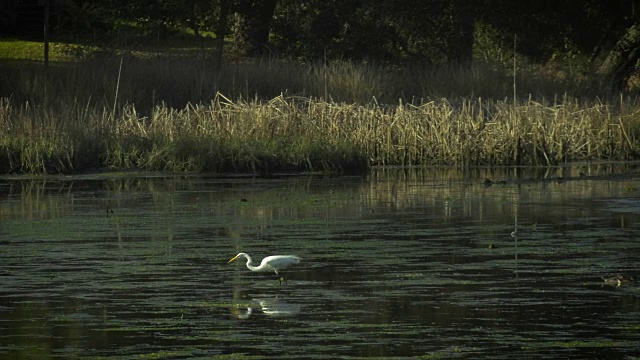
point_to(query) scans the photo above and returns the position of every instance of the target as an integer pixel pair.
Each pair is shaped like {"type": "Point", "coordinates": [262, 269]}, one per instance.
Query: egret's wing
{"type": "Point", "coordinates": [277, 262]}
{"type": "Point", "coordinates": [283, 260]}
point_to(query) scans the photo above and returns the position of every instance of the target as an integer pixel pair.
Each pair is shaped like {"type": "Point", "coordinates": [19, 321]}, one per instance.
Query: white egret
{"type": "Point", "coordinates": [275, 262]}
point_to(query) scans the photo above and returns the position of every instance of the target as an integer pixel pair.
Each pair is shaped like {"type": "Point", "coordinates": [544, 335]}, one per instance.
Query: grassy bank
{"type": "Point", "coordinates": [170, 114]}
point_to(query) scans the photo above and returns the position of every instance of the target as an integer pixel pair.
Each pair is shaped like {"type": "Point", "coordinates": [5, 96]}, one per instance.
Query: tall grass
{"type": "Point", "coordinates": [171, 114]}
{"type": "Point", "coordinates": [302, 134]}
{"type": "Point", "coordinates": [178, 81]}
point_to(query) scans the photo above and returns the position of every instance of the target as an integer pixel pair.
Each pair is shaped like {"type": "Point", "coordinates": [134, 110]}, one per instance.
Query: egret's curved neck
{"type": "Point", "coordinates": [250, 263]}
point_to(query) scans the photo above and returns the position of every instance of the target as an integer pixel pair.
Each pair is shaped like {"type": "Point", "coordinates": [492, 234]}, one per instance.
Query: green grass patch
{"type": "Point", "coordinates": [21, 49]}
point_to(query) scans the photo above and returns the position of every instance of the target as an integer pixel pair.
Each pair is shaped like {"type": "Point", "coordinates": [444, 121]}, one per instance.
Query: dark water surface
{"type": "Point", "coordinates": [402, 263]}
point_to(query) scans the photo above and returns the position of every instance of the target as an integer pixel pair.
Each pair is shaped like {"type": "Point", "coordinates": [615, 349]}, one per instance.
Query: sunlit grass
{"type": "Point", "coordinates": [294, 134]}
{"type": "Point", "coordinates": [18, 49]}
{"type": "Point", "coordinates": [179, 114]}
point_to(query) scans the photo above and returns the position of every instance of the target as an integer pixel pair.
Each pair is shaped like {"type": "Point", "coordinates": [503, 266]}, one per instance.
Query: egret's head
{"type": "Point", "coordinates": [237, 256]}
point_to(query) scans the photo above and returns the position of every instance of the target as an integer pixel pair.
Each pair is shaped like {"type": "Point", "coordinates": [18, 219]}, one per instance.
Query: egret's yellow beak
{"type": "Point", "coordinates": [235, 257]}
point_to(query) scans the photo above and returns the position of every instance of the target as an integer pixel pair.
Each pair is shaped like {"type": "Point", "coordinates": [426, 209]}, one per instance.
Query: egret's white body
{"type": "Point", "coordinates": [275, 262]}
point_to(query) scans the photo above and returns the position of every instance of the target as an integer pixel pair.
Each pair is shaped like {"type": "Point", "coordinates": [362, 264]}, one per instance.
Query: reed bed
{"type": "Point", "coordinates": [170, 114]}
{"type": "Point", "coordinates": [292, 133]}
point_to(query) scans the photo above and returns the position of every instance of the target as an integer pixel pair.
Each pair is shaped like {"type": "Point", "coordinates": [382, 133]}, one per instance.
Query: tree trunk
{"type": "Point", "coordinates": [252, 34]}
{"type": "Point", "coordinates": [461, 42]}
{"type": "Point", "coordinates": [221, 32]}
{"type": "Point", "coordinates": [621, 61]}
{"type": "Point", "coordinates": [198, 35]}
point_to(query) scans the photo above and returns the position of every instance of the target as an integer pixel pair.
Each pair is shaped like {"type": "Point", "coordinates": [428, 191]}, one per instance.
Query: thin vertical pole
{"type": "Point", "coordinates": [326, 93]}
{"type": "Point", "coordinates": [115, 99]}
{"type": "Point", "coordinates": [515, 69]}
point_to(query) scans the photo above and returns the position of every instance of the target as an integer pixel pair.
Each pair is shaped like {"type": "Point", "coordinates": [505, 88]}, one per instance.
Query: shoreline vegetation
{"type": "Point", "coordinates": [265, 116]}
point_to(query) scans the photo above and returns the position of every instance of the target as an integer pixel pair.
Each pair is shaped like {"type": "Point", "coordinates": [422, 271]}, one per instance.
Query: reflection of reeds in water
{"type": "Point", "coordinates": [442, 190]}
{"type": "Point", "coordinates": [306, 134]}
{"type": "Point", "coordinates": [448, 193]}
{"type": "Point", "coordinates": [39, 200]}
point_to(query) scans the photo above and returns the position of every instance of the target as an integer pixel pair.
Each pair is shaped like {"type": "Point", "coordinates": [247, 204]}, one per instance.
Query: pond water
{"type": "Point", "coordinates": [400, 263]}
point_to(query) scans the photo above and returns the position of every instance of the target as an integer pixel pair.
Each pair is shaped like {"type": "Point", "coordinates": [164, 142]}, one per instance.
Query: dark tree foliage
{"type": "Point", "coordinates": [405, 31]}
{"type": "Point", "coordinates": [392, 31]}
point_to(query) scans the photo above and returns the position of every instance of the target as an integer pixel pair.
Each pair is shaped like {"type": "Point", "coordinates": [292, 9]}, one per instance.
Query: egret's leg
{"type": "Point", "coordinates": [282, 279]}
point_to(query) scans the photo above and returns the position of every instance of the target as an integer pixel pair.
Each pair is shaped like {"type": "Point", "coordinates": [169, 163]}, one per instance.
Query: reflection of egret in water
{"type": "Point", "coordinates": [241, 313]}
{"type": "Point", "coordinates": [269, 306]}
{"type": "Point", "coordinates": [278, 307]}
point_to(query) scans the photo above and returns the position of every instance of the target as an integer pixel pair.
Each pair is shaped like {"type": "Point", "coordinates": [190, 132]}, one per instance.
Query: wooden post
{"type": "Point", "coordinates": [46, 34]}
